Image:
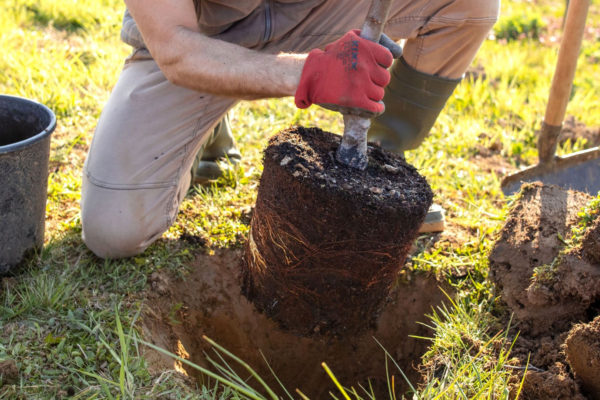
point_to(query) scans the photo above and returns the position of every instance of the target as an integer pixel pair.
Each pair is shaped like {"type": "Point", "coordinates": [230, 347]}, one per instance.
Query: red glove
{"type": "Point", "coordinates": [350, 74]}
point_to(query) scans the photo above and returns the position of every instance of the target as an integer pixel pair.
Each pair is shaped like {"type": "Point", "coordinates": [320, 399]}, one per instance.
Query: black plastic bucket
{"type": "Point", "coordinates": [25, 128]}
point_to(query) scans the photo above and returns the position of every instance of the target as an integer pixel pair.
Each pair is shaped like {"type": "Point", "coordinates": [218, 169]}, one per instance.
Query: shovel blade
{"type": "Point", "coordinates": [578, 171]}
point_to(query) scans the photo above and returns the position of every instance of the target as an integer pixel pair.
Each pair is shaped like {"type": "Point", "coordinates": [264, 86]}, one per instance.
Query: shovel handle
{"type": "Point", "coordinates": [353, 148]}
{"type": "Point", "coordinates": [562, 81]}
{"type": "Point", "coordinates": [375, 21]}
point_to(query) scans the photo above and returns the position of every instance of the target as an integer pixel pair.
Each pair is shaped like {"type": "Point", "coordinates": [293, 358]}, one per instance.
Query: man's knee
{"type": "Point", "coordinates": [477, 12]}
{"type": "Point", "coordinates": [108, 236]}
{"type": "Point", "coordinates": [119, 223]}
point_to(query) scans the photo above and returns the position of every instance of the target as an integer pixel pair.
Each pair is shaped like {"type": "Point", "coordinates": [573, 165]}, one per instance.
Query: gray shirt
{"type": "Point", "coordinates": [245, 22]}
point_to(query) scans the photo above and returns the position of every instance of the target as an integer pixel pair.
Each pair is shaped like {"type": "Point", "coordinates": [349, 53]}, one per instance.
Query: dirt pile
{"type": "Point", "coordinates": [327, 240]}
{"type": "Point", "coordinates": [209, 302]}
{"type": "Point", "coordinates": [583, 353]}
{"type": "Point", "coordinates": [547, 289]}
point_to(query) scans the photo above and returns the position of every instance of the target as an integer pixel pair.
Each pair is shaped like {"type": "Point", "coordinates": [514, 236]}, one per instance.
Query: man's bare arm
{"type": "Point", "coordinates": [193, 60]}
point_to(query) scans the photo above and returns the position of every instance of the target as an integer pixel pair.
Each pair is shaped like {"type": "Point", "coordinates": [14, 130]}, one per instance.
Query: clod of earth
{"type": "Point", "coordinates": [555, 383]}
{"type": "Point", "coordinates": [547, 289]}
{"type": "Point", "coordinates": [327, 241]}
{"type": "Point", "coordinates": [583, 353]}
{"type": "Point", "coordinates": [209, 302]}
{"type": "Point", "coordinates": [591, 242]}
{"type": "Point", "coordinates": [9, 372]}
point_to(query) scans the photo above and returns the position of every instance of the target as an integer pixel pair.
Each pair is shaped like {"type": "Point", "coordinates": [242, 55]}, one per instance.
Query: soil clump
{"type": "Point", "coordinates": [591, 242]}
{"type": "Point", "coordinates": [208, 301]}
{"type": "Point", "coordinates": [327, 240]}
{"type": "Point", "coordinates": [583, 353]}
{"type": "Point", "coordinates": [9, 373]}
{"type": "Point", "coordinates": [548, 289]}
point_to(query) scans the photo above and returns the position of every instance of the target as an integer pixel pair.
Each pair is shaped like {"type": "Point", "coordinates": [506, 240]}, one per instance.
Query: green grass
{"type": "Point", "coordinates": [586, 216]}
{"type": "Point", "coordinates": [70, 320]}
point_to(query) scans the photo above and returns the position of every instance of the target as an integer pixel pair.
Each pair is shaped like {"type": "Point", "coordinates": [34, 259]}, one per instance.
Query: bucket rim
{"type": "Point", "coordinates": [9, 148]}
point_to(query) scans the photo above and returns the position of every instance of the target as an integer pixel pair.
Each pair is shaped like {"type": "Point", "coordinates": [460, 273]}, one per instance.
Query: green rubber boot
{"type": "Point", "coordinates": [413, 100]}
{"type": "Point", "coordinates": [217, 153]}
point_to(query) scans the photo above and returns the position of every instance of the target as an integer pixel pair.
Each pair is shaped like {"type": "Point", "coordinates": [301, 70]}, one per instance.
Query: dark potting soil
{"type": "Point", "coordinates": [326, 240]}
{"type": "Point", "coordinates": [309, 155]}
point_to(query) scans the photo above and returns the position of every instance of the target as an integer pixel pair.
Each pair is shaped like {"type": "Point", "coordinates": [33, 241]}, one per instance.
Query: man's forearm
{"type": "Point", "coordinates": [209, 65]}
{"type": "Point", "coordinates": [193, 60]}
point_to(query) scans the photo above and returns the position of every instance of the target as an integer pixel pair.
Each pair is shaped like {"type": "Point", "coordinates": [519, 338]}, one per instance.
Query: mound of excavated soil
{"type": "Point", "coordinates": [583, 353]}
{"type": "Point", "coordinates": [546, 301]}
{"type": "Point", "coordinates": [531, 238]}
{"type": "Point", "coordinates": [208, 301]}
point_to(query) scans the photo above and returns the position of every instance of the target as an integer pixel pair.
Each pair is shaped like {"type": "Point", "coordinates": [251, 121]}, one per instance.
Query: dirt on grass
{"type": "Point", "coordinates": [573, 130]}
{"type": "Point", "coordinates": [546, 290]}
{"type": "Point", "coordinates": [208, 301]}
{"type": "Point", "coordinates": [9, 373]}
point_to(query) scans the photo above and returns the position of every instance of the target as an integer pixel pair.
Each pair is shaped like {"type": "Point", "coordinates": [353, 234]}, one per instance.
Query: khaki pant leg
{"type": "Point", "coordinates": [443, 36]}
{"type": "Point", "coordinates": [450, 35]}
{"type": "Point", "coordinates": [138, 168]}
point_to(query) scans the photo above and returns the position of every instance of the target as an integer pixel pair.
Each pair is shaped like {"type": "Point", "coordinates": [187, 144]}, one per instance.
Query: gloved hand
{"type": "Point", "coordinates": [349, 75]}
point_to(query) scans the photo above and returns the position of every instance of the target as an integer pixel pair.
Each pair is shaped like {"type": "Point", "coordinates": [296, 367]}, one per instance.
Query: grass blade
{"type": "Point", "coordinates": [334, 379]}
{"type": "Point", "coordinates": [236, 387]}
{"type": "Point", "coordinates": [243, 364]}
